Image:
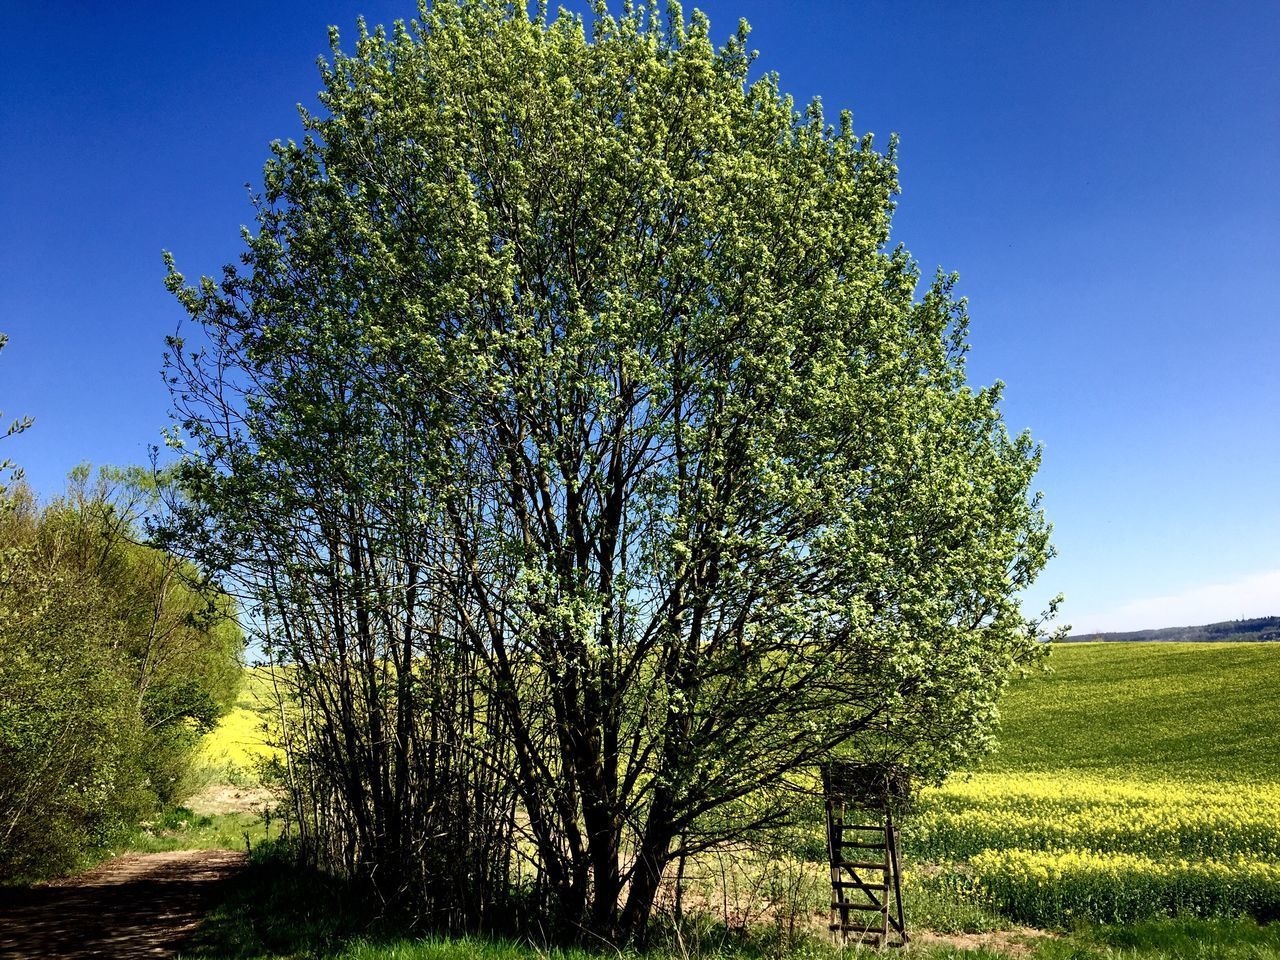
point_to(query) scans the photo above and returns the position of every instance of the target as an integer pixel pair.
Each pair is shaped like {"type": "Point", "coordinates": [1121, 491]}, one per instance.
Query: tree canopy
{"type": "Point", "coordinates": [594, 461]}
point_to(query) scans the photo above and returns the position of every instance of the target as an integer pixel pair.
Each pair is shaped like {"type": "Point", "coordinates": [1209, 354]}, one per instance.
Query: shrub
{"type": "Point", "coordinates": [113, 659]}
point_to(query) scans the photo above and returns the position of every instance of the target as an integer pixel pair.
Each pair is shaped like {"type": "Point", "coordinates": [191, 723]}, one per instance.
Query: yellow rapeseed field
{"type": "Point", "coordinates": [237, 744]}
{"type": "Point", "coordinates": [1064, 811]}
{"type": "Point", "coordinates": [1163, 798]}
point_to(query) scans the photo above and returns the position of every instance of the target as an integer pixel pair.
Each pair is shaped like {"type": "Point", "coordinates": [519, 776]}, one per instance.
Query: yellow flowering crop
{"type": "Point", "coordinates": [1039, 811]}
{"type": "Point", "coordinates": [1048, 887]}
{"type": "Point", "coordinates": [1049, 848]}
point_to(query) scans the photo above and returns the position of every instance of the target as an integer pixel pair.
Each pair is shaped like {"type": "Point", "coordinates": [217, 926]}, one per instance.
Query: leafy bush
{"type": "Point", "coordinates": [114, 658]}
{"type": "Point", "coordinates": [70, 748]}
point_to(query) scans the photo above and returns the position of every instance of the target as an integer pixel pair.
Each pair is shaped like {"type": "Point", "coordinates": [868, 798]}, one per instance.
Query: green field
{"type": "Point", "coordinates": [1192, 711]}
{"type": "Point", "coordinates": [1134, 782]}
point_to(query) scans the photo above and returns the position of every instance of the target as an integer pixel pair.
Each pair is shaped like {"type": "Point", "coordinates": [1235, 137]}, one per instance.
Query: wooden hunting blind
{"type": "Point", "coordinates": [862, 845]}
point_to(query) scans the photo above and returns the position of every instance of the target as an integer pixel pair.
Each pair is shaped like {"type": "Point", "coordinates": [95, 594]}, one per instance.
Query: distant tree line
{"type": "Point", "coordinates": [588, 467]}
{"type": "Point", "coordinates": [1257, 629]}
{"type": "Point", "coordinates": [114, 659]}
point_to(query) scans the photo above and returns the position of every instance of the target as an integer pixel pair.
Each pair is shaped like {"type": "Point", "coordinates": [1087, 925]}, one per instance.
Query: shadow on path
{"type": "Point", "coordinates": [138, 905]}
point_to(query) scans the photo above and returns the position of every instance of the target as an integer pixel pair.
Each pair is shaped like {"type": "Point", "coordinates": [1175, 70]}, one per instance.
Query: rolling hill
{"type": "Point", "coordinates": [1259, 629]}
{"type": "Point", "coordinates": [1197, 711]}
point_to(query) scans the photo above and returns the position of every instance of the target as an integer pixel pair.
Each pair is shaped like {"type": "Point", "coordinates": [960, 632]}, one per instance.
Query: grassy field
{"type": "Point", "coordinates": [183, 829]}
{"type": "Point", "coordinates": [1134, 782]}
{"type": "Point", "coordinates": [1160, 711]}
{"type": "Point", "coordinates": [1133, 810]}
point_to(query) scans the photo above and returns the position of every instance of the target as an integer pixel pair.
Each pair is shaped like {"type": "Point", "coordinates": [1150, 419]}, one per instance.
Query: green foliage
{"type": "Point", "coordinates": [70, 745]}
{"type": "Point", "coordinates": [280, 908]}
{"type": "Point", "coordinates": [113, 660]}
{"type": "Point", "coordinates": [604, 348]}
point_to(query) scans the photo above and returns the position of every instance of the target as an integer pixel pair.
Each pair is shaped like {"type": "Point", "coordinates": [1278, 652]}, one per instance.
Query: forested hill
{"type": "Point", "coordinates": [1260, 628]}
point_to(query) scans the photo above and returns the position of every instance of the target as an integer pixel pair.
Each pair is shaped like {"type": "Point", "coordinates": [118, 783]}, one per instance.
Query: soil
{"type": "Point", "coordinates": [226, 798]}
{"type": "Point", "coordinates": [138, 905]}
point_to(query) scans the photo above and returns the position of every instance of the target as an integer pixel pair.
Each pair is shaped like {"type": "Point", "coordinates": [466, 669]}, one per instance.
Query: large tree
{"type": "Point", "coordinates": [573, 416]}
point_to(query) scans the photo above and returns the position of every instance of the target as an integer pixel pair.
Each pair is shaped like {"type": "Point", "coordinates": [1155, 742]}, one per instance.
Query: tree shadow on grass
{"type": "Point", "coordinates": [279, 908]}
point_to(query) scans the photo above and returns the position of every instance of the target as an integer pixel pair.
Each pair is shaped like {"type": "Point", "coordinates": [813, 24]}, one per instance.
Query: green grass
{"type": "Point", "coordinates": [930, 908]}
{"type": "Point", "coordinates": [1178, 939]}
{"type": "Point", "coordinates": [181, 829]}
{"type": "Point", "coordinates": [279, 909]}
{"type": "Point", "coordinates": [1164, 711]}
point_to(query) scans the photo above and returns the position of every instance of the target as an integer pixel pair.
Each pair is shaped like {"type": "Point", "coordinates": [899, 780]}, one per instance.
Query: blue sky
{"type": "Point", "coordinates": [1104, 177]}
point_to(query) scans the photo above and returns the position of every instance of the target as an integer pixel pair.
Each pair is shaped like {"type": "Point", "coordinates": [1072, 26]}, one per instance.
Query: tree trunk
{"type": "Point", "coordinates": [652, 857]}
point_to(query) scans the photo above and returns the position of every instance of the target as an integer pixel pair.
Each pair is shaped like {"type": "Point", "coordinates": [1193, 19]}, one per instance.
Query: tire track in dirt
{"type": "Point", "coordinates": [138, 905]}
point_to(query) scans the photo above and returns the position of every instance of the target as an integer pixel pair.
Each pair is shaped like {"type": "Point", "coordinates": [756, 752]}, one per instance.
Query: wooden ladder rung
{"type": "Point", "coordinates": [846, 843]}
{"type": "Point", "coordinates": [855, 928]}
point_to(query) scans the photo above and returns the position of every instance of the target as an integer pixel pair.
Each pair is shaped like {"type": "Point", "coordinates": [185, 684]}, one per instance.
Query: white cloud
{"type": "Point", "coordinates": [1257, 595]}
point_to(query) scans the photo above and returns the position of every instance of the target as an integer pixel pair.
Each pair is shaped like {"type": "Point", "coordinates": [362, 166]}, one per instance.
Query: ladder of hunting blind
{"type": "Point", "coordinates": [866, 896]}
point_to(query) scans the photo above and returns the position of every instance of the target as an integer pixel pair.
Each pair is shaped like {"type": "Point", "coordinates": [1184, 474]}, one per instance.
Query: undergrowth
{"type": "Point", "coordinates": [181, 829]}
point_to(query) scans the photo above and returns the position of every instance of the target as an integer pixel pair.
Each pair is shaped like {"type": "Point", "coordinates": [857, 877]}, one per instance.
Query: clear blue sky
{"type": "Point", "coordinates": [1104, 176]}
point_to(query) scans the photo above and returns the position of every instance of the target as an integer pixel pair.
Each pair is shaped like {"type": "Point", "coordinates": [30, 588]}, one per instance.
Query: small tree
{"type": "Point", "coordinates": [9, 471]}
{"type": "Point", "coordinates": [582, 368]}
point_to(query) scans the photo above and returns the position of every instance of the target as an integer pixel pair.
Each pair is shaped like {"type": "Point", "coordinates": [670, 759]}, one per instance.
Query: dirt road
{"type": "Point", "coordinates": [138, 905]}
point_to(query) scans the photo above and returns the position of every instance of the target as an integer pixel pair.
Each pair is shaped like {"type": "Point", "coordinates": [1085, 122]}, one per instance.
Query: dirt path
{"type": "Point", "coordinates": [138, 905]}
